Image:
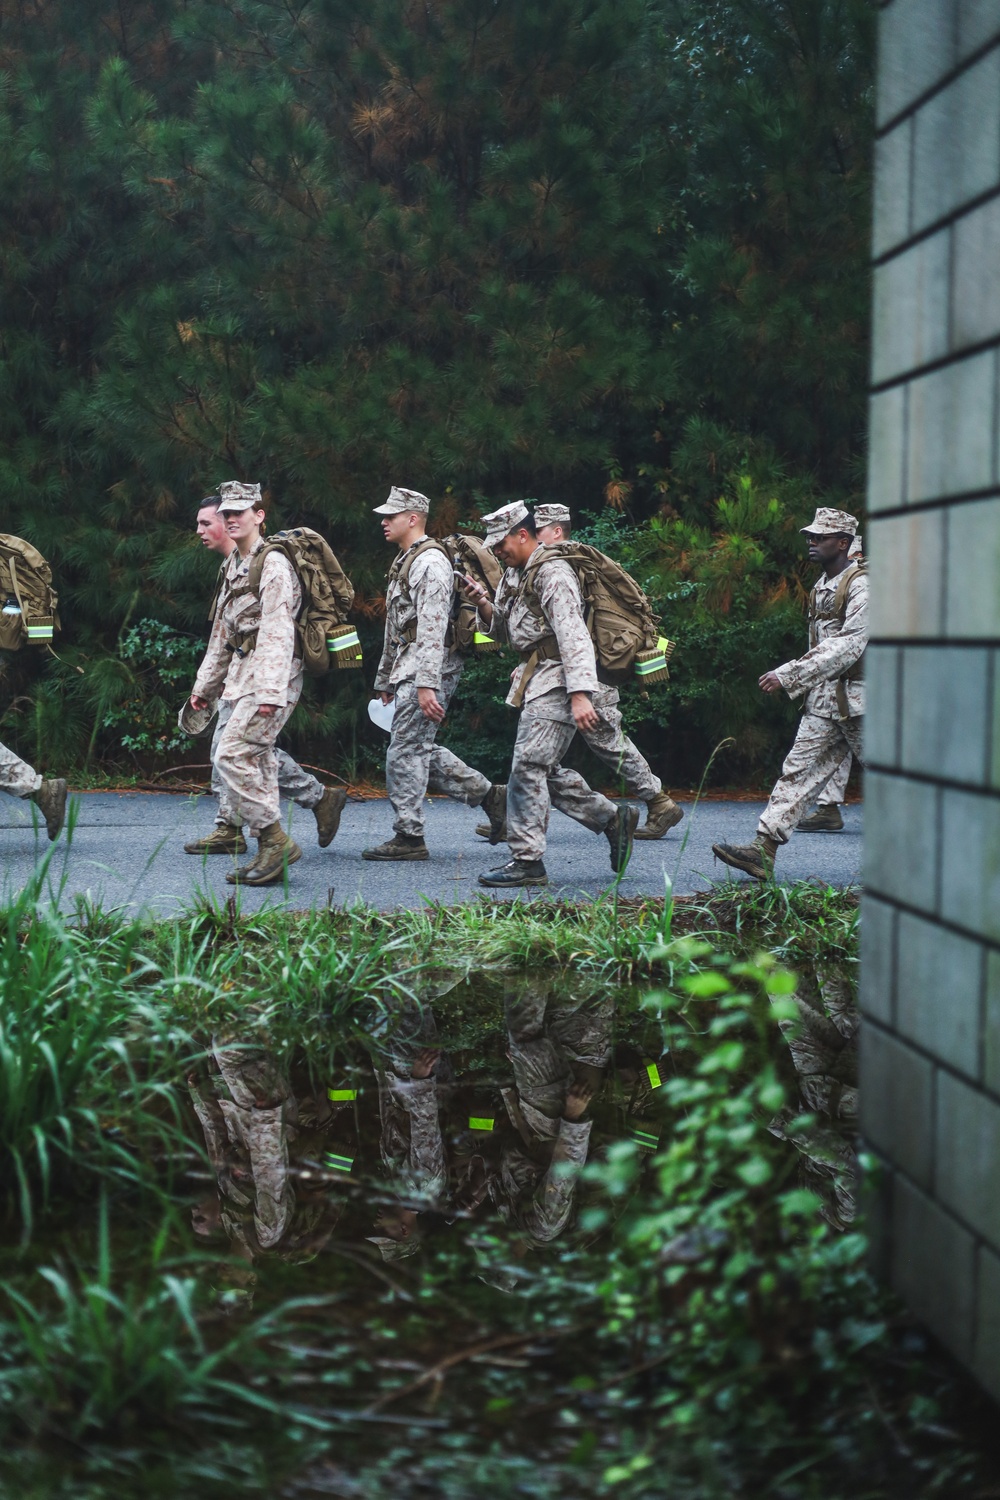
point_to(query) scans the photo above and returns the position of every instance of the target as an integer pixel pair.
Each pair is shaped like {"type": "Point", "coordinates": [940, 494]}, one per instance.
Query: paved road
{"type": "Point", "coordinates": [125, 851]}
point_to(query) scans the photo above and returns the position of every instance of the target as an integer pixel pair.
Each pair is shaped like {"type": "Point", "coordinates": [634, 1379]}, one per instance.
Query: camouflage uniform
{"type": "Point", "coordinates": [546, 727]}
{"type": "Point", "coordinates": [293, 782]}
{"type": "Point", "coordinates": [245, 757]}
{"type": "Point", "coordinates": [16, 776]}
{"type": "Point", "coordinates": [825, 733]}
{"type": "Point", "coordinates": [414, 763]}
{"type": "Point", "coordinates": [611, 744]}
{"type": "Point", "coordinates": [834, 794]}
{"type": "Point", "coordinates": [536, 1184]}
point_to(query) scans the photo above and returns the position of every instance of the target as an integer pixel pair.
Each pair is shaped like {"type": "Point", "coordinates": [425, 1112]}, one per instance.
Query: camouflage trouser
{"type": "Point", "coordinates": [414, 765]}
{"type": "Point", "coordinates": [16, 776]}
{"type": "Point", "coordinates": [247, 763]}
{"type": "Point", "coordinates": [612, 745]}
{"type": "Point", "coordinates": [293, 782]}
{"type": "Point", "coordinates": [815, 756]}
{"type": "Point", "coordinates": [835, 791]}
{"type": "Point", "coordinates": [536, 776]}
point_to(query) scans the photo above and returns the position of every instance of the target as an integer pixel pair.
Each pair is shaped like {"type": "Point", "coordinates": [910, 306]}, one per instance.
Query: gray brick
{"type": "Point", "coordinates": [950, 434]}
{"type": "Point", "coordinates": [956, 143]}
{"type": "Point", "coordinates": [933, 1267]}
{"type": "Point", "coordinates": [975, 283]}
{"type": "Point", "coordinates": [972, 593]}
{"type": "Point", "coordinates": [878, 953]}
{"type": "Point", "coordinates": [882, 678]}
{"type": "Point", "coordinates": [986, 1351]}
{"type": "Point", "coordinates": [900, 860]}
{"type": "Point", "coordinates": [896, 1091]}
{"type": "Point", "coordinates": [916, 48]}
{"type": "Point", "coordinates": [910, 308]}
{"type": "Point", "coordinates": [991, 1023]}
{"type": "Point", "coordinates": [938, 991]}
{"type": "Point", "coordinates": [967, 1150]}
{"type": "Point", "coordinates": [978, 23]}
{"type": "Point", "coordinates": [892, 188]}
{"type": "Point", "coordinates": [970, 863]}
{"type": "Point", "coordinates": [906, 586]}
{"type": "Point", "coordinates": [944, 687]}
{"type": "Point", "coordinates": [887, 449]}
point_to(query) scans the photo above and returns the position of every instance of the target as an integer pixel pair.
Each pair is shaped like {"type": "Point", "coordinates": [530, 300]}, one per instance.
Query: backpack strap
{"type": "Point", "coordinates": [400, 573]}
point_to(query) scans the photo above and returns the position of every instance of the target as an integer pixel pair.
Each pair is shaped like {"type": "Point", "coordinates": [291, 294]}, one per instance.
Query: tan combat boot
{"type": "Point", "coordinates": [225, 838]}
{"type": "Point", "coordinates": [50, 799]}
{"type": "Point", "coordinates": [662, 814]}
{"type": "Point", "coordinates": [494, 805]}
{"type": "Point", "coordinates": [275, 852]}
{"type": "Point", "coordinates": [327, 814]}
{"type": "Point", "coordinates": [826, 819]}
{"type": "Point", "coordinates": [756, 859]}
{"type": "Point", "coordinates": [619, 833]}
{"type": "Point", "coordinates": [400, 846]}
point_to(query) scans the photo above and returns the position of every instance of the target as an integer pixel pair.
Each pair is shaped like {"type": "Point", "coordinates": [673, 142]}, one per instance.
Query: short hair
{"type": "Point", "coordinates": [527, 523]}
{"type": "Point", "coordinates": [213, 500]}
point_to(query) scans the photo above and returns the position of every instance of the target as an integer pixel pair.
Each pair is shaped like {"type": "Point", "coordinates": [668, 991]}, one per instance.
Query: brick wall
{"type": "Point", "coordinates": [931, 946]}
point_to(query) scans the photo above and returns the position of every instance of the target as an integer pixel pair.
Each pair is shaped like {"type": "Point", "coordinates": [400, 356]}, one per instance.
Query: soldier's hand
{"type": "Point", "coordinates": [424, 1062]}
{"type": "Point", "coordinates": [578, 1098]}
{"type": "Point", "coordinates": [266, 710]}
{"type": "Point", "coordinates": [430, 706]}
{"type": "Point", "coordinates": [770, 683]}
{"type": "Point", "coordinates": [585, 715]}
{"type": "Point", "coordinates": [198, 704]}
{"type": "Point", "coordinates": [386, 699]}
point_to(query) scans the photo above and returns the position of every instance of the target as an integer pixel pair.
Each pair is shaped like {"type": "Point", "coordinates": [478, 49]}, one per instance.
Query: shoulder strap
{"type": "Point", "coordinates": [843, 586]}
{"type": "Point", "coordinates": [400, 570]}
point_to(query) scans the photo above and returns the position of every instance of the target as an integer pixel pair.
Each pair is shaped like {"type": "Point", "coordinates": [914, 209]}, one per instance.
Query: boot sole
{"type": "Point", "coordinates": [389, 859]}
{"type": "Point", "coordinates": [800, 829]}
{"type": "Point", "coordinates": [273, 878]}
{"type": "Point", "coordinates": [757, 872]}
{"type": "Point", "coordinates": [326, 839]}
{"type": "Point", "coordinates": [621, 857]}
{"type": "Point", "coordinates": [234, 849]}
{"type": "Point", "coordinates": [60, 819]}
{"type": "Point", "coordinates": [513, 885]}
{"type": "Point", "coordinates": [646, 833]}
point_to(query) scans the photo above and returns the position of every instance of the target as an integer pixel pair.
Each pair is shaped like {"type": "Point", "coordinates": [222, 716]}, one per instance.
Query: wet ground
{"type": "Point", "coordinates": [127, 850]}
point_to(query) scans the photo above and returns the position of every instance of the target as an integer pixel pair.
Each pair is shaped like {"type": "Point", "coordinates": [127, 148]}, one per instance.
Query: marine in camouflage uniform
{"type": "Point", "coordinates": [326, 803]}
{"type": "Point", "coordinates": [559, 1055]}
{"type": "Point", "coordinates": [19, 779]}
{"type": "Point", "coordinates": [556, 682]}
{"type": "Point", "coordinates": [829, 675]}
{"type": "Point", "coordinates": [827, 817]}
{"type": "Point", "coordinates": [251, 664]}
{"type": "Point", "coordinates": [420, 672]}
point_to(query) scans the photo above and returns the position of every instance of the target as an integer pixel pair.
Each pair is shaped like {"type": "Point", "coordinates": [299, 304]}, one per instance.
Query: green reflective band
{"type": "Point", "coordinates": [644, 668]}
{"type": "Point", "coordinates": [481, 1122]}
{"type": "Point", "coordinates": [335, 1163]}
{"type": "Point", "coordinates": [664, 645]}
{"type": "Point", "coordinates": [40, 632]}
{"type": "Point", "coordinates": [343, 642]}
{"type": "Point", "coordinates": [480, 639]}
{"type": "Point", "coordinates": [646, 1139]}
{"type": "Point", "coordinates": [653, 1073]}
{"type": "Point", "coordinates": [340, 1096]}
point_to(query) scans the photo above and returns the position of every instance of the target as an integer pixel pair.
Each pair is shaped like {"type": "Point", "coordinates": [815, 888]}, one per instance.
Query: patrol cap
{"type": "Point", "coordinates": [196, 721]}
{"type": "Point", "coordinates": [552, 515]}
{"type": "Point", "coordinates": [499, 522]}
{"type": "Point", "coordinates": [827, 522]}
{"type": "Point", "coordinates": [234, 496]}
{"type": "Point", "coordinates": [403, 500]}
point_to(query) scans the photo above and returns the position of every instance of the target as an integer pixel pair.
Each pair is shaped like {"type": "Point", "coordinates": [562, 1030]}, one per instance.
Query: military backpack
{"type": "Point", "coordinates": [322, 636]}
{"type": "Point", "coordinates": [29, 615]}
{"type": "Point", "coordinates": [618, 615]}
{"type": "Point", "coordinates": [466, 554]}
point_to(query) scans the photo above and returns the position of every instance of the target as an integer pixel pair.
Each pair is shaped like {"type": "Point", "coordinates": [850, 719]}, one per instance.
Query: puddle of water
{"type": "Point", "coordinates": [469, 1208]}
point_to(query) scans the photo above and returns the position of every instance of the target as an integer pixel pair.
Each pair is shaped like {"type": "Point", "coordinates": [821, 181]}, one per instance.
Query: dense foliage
{"type": "Point", "coordinates": [606, 251]}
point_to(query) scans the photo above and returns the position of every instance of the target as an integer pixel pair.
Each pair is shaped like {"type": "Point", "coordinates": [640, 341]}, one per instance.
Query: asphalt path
{"type": "Point", "coordinates": [125, 850]}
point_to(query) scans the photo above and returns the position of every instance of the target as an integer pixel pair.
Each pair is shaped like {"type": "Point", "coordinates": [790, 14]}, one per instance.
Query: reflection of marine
{"type": "Point", "coordinates": [823, 1045]}
{"type": "Point", "coordinates": [249, 1114]}
{"type": "Point", "coordinates": [558, 1054]}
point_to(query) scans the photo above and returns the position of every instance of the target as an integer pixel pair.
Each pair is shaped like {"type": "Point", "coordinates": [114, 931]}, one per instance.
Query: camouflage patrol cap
{"type": "Point", "coordinates": [499, 522]}
{"type": "Point", "coordinates": [552, 515]}
{"type": "Point", "coordinates": [827, 522]}
{"type": "Point", "coordinates": [403, 501]}
{"type": "Point", "coordinates": [234, 496]}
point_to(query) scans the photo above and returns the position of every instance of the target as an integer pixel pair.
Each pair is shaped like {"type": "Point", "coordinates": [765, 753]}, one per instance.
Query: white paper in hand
{"type": "Point", "coordinates": [382, 713]}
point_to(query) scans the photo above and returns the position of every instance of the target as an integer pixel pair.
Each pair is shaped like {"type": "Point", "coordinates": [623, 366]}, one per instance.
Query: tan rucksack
{"type": "Point", "coordinates": [619, 616]}
{"type": "Point", "coordinates": [466, 554]}
{"type": "Point", "coordinates": [323, 637]}
{"type": "Point", "coordinates": [29, 615]}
